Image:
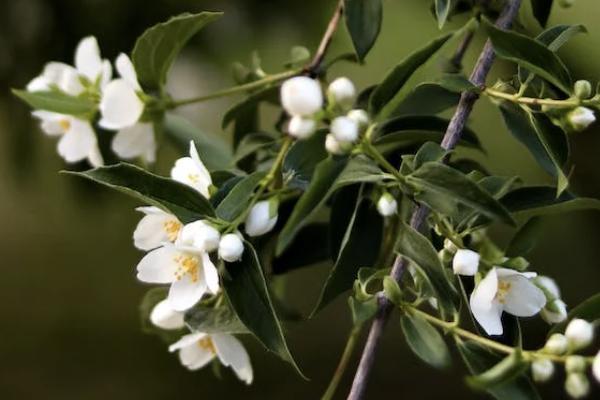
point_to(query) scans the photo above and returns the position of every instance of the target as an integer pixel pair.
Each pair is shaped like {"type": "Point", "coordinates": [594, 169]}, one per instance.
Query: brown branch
{"type": "Point", "coordinates": [312, 68]}
{"type": "Point", "coordinates": [451, 137]}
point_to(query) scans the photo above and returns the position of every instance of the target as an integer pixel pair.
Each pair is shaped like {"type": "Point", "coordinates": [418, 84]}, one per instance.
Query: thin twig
{"type": "Point", "coordinates": [312, 69]}
{"type": "Point", "coordinates": [451, 137]}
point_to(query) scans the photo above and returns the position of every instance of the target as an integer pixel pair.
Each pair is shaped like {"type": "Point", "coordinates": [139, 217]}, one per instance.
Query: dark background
{"type": "Point", "coordinates": [69, 323]}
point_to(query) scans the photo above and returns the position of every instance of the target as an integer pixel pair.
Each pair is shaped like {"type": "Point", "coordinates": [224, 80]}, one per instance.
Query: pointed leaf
{"type": "Point", "coordinates": [425, 341]}
{"type": "Point", "coordinates": [426, 98]}
{"type": "Point", "coordinates": [57, 102]}
{"type": "Point", "coordinates": [442, 10]}
{"type": "Point", "coordinates": [541, 10]}
{"type": "Point", "coordinates": [363, 20]}
{"type": "Point", "coordinates": [238, 198]}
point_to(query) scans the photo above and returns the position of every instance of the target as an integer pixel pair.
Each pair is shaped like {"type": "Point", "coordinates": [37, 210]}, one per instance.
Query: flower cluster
{"type": "Point", "coordinates": [120, 103]}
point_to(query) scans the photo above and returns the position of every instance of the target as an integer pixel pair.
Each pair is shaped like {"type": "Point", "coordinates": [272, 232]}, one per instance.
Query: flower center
{"type": "Point", "coordinates": [188, 264]}
{"type": "Point", "coordinates": [207, 344]}
{"type": "Point", "coordinates": [193, 178]}
{"type": "Point", "coordinates": [503, 289]}
{"type": "Point", "coordinates": [172, 228]}
{"type": "Point", "coordinates": [65, 124]}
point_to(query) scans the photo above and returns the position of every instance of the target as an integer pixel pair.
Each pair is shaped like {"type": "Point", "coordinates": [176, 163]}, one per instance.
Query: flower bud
{"type": "Point", "coordinates": [579, 333]}
{"type": "Point", "coordinates": [554, 312]}
{"type": "Point", "coordinates": [341, 91]}
{"type": "Point", "coordinates": [577, 385]}
{"type": "Point", "coordinates": [596, 367]}
{"type": "Point", "coordinates": [556, 344]}
{"type": "Point", "coordinates": [450, 246]}
{"type": "Point", "coordinates": [301, 96]}
{"type": "Point", "coordinates": [583, 89]}
{"type": "Point", "coordinates": [333, 146]}
{"type": "Point", "coordinates": [445, 256]}
{"type": "Point", "coordinates": [465, 262]}
{"type": "Point", "coordinates": [387, 205]}
{"type": "Point", "coordinates": [201, 235]}
{"type": "Point", "coordinates": [231, 247]}
{"type": "Point", "coordinates": [359, 116]}
{"type": "Point", "coordinates": [262, 217]}
{"type": "Point", "coordinates": [580, 118]}
{"type": "Point", "coordinates": [575, 364]}
{"type": "Point", "coordinates": [164, 317]}
{"type": "Point", "coordinates": [548, 286]}
{"type": "Point", "coordinates": [344, 129]}
{"type": "Point", "coordinates": [542, 370]}
{"type": "Point", "coordinates": [302, 127]}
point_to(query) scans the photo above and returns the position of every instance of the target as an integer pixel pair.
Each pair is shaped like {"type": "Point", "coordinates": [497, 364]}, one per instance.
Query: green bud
{"type": "Point", "coordinates": [556, 344]}
{"type": "Point", "coordinates": [583, 89]}
{"type": "Point", "coordinates": [575, 364]}
{"type": "Point", "coordinates": [542, 370]}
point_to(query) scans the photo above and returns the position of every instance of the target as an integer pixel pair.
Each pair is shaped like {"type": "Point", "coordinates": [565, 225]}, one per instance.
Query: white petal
{"type": "Point", "coordinates": [232, 353]}
{"type": "Point", "coordinates": [52, 124]}
{"type": "Point", "coordinates": [87, 58]}
{"type": "Point", "coordinates": [120, 105]}
{"type": "Point", "coordinates": [465, 262]}
{"type": "Point", "coordinates": [38, 84]}
{"type": "Point", "coordinates": [187, 172]}
{"type": "Point", "coordinates": [185, 292]}
{"type": "Point", "coordinates": [201, 235]}
{"type": "Point", "coordinates": [78, 141]}
{"type": "Point", "coordinates": [95, 157]}
{"type": "Point", "coordinates": [164, 317]}
{"type": "Point", "coordinates": [106, 73]}
{"type": "Point", "coordinates": [195, 357]}
{"type": "Point", "coordinates": [154, 229]}
{"type": "Point", "coordinates": [201, 167]}
{"type": "Point", "coordinates": [484, 293]}
{"type": "Point", "coordinates": [70, 83]}
{"type": "Point", "coordinates": [158, 266]}
{"type": "Point", "coordinates": [127, 71]}
{"type": "Point", "coordinates": [186, 341]}
{"type": "Point", "coordinates": [135, 141]}
{"type": "Point", "coordinates": [523, 299]}
{"type": "Point", "coordinates": [489, 318]}
{"type": "Point", "coordinates": [258, 222]}
{"type": "Point", "coordinates": [211, 275]}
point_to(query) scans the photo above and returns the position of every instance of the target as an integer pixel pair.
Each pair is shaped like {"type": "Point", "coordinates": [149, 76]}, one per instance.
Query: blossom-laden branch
{"type": "Point", "coordinates": [451, 137]}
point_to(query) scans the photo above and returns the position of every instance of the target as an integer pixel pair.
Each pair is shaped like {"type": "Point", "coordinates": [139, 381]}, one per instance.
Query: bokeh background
{"type": "Point", "coordinates": [69, 322]}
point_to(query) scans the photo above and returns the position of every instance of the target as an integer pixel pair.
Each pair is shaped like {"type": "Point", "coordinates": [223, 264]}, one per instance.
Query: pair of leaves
{"type": "Point", "coordinates": [363, 20]}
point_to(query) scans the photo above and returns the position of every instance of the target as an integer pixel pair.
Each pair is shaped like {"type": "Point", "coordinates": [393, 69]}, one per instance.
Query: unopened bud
{"type": "Point", "coordinates": [556, 344]}
{"type": "Point", "coordinates": [231, 247]}
{"type": "Point", "coordinates": [580, 118]}
{"type": "Point", "coordinates": [575, 363]}
{"type": "Point", "coordinates": [359, 116]}
{"type": "Point", "coordinates": [262, 217]}
{"type": "Point", "coordinates": [342, 91]}
{"type": "Point", "coordinates": [548, 286]}
{"type": "Point", "coordinates": [579, 333]}
{"type": "Point", "coordinates": [301, 96]}
{"type": "Point", "coordinates": [333, 146]}
{"type": "Point", "coordinates": [344, 129]}
{"type": "Point", "coordinates": [164, 317]}
{"type": "Point", "coordinates": [387, 205]}
{"type": "Point", "coordinates": [596, 367]}
{"type": "Point", "coordinates": [554, 312]}
{"type": "Point", "coordinates": [201, 235]}
{"type": "Point", "coordinates": [466, 262]}
{"type": "Point", "coordinates": [542, 370]}
{"type": "Point", "coordinates": [583, 89]}
{"type": "Point", "coordinates": [450, 246]}
{"type": "Point", "coordinates": [302, 127]}
{"type": "Point", "coordinates": [577, 385]}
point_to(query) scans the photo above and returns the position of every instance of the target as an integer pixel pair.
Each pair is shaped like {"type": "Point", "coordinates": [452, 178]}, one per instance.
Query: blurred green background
{"type": "Point", "coordinates": [69, 326]}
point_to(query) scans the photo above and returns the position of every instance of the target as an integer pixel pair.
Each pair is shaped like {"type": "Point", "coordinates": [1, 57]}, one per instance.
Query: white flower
{"type": "Point", "coordinates": [135, 141]}
{"type": "Point", "coordinates": [77, 138]}
{"type": "Point", "coordinates": [556, 344]}
{"type": "Point", "coordinates": [333, 146]}
{"type": "Point", "coordinates": [201, 235]}
{"type": "Point", "coordinates": [466, 262]}
{"type": "Point", "coordinates": [197, 349]}
{"type": "Point", "coordinates": [231, 247]}
{"type": "Point", "coordinates": [342, 91]}
{"type": "Point", "coordinates": [542, 370]}
{"type": "Point", "coordinates": [190, 272]}
{"type": "Point", "coordinates": [577, 385]}
{"type": "Point", "coordinates": [549, 285]}
{"type": "Point", "coordinates": [301, 96]}
{"type": "Point", "coordinates": [155, 228]}
{"type": "Point", "coordinates": [192, 172]}
{"type": "Point", "coordinates": [344, 129]}
{"type": "Point", "coordinates": [301, 127]}
{"type": "Point", "coordinates": [262, 217]}
{"type": "Point", "coordinates": [359, 116]}
{"type": "Point", "coordinates": [596, 367]}
{"type": "Point", "coordinates": [164, 317]}
{"type": "Point", "coordinates": [580, 118]}
{"type": "Point", "coordinates": [554, 312]}
{"type": "Point", "coordinates": [504, 290]}
{"type": "Point", "coordinates": [387, 205]}
{"type": "Point", "coordinates": [579, 333]}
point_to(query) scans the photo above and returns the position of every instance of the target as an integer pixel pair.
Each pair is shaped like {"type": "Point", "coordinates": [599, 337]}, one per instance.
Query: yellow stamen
{"type": "Point", "coordinates": [65, 124]}
{"type": "Point", "coordinates": [503, 289]}
{"type": "Point", "coordinates": [188, 264]}
{"type": "Point", "coordinates": [193, 178]}
{"type": "Point", "coordinates": [207, 344]}
{"type": "Point", "coordinates": [172, 228]}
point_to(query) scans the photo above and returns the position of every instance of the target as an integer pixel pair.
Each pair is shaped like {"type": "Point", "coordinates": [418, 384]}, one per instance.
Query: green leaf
{"type": "Point", "coordinates": [213, 151]}
{"type": "Point", "coordinates": [440, 180]}
{"type": "Point", "coordinates": [558, 35]}
{"type": "Point", "coordinates": [247, 292]}
{"type": "Point", "coordinates": [180, 200]}
{"type": "Point", "coordinates": [362, 311]}
{"type": "Point", "coordinates": [530, 54]}
{"type": "Point", "coordinates": [588, 310]}
{"type": "Point", "coordinates": [428, 152]}
{"type": "Point", "coordinates": [320, 188]}
{"type": "Point", "coordinates": [360, 169]}
{"type": "Point", "coordinates": [457, 83]}
{"type": "Point", "coordinates": [238, 198]}
{"type": "Point", "coordinates": [541, 10]}
{"type": "Point", "coordinates": [505, 371]}
{"type": "Point", "coordinates": [57, 102]}
{"type": "Point", "coordinates": [313, 236]}
{"type": "Point", "coordinates": [426, 99]}
{"type": "Point", "coordinates": [156, 49]}
{"type": "Point", "coordinates": [526, 238]}
{"type": "Point", "coordinates": [385, 94]}
{"type": "Point", "coordinates": [363, 20]}
{"type": "Point", "coordinates": [414, 246]}
{"type": "Point", "coordinates": [221, 319]}
{"type": "Point", "coordinates": [425, 341]}
{"type": "Point", "coordinates": [360, 248]}
{"type": "Point", "coordinates": [542, 200]}
{"type": "Point", "coordinates": [478, 360]}
{"type": "Point", "coordinates": [392, 291]}
{"type": "Point", "coordinates": [442, 10]}
{"type": "Point", "coordinates": [301, 160]}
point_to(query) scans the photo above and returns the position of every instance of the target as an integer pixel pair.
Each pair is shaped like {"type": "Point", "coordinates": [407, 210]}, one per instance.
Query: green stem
{"type": "Point", "coordinates": [236, 89]}
{"type": "Point", "coordinates": [343, 364]}
{"type": "Point", "coordinates": [531, 101]}
{"type": "Point", "coordinates": [370, 150]}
